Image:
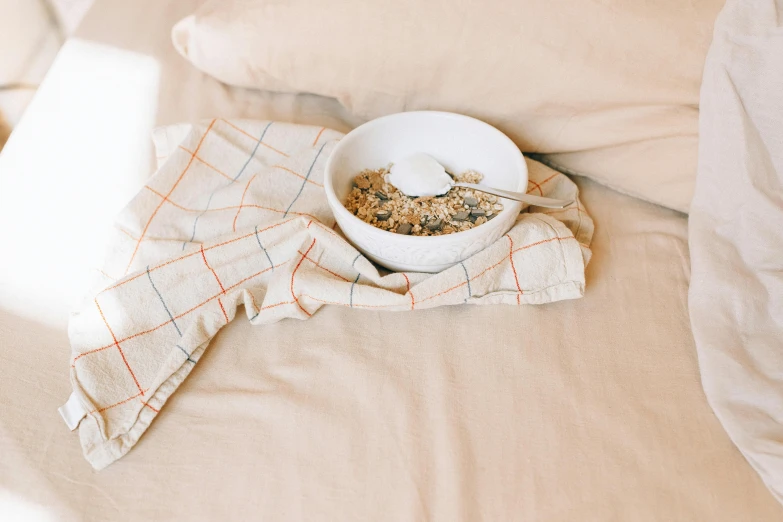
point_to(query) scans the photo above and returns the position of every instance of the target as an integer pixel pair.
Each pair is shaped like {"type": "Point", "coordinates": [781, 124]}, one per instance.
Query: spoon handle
{"type": "Point", "coordinates": [537, 201]}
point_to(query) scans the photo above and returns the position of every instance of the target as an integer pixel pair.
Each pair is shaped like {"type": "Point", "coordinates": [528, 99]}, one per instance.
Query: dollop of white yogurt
{"type": "Point", "coordinates": [419, 175]}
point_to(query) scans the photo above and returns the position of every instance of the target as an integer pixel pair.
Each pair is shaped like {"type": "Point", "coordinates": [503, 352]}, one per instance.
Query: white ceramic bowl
{"type": "Point", "coordinates": [459, 143]}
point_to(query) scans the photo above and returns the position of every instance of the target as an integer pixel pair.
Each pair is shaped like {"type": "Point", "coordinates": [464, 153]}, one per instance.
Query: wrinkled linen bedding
{"type": "Point", "coordinates": [736, 233]}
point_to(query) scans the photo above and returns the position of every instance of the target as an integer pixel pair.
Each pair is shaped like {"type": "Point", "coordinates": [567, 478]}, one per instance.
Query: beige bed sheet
{"type": "Point", "coordinates": [581, 410]}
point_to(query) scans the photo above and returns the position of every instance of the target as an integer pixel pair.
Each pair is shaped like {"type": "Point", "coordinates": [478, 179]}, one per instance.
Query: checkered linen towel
{"type": "Point", "coordinates": [236, 215]}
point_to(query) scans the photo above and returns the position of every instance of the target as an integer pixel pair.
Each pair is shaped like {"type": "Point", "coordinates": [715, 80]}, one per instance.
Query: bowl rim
{"type": "Point", "coordinates": [339, 208]}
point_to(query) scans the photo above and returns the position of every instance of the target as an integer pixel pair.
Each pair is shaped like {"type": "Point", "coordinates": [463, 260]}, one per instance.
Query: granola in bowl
{"type": "Point", "coordinates": [377, 202]}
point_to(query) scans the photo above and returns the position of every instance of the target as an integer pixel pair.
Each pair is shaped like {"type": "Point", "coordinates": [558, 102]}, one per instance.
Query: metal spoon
{"type": "Point", "coordinates": [537, 201]}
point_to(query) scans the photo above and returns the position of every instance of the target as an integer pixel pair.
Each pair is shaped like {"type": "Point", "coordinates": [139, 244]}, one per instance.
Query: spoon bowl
{"type": "Point", "coordinates": [457, 142]}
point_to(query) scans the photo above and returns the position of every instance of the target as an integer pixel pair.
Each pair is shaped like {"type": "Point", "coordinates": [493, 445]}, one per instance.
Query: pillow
{"type": "Point", "coordinates": [610, 87]}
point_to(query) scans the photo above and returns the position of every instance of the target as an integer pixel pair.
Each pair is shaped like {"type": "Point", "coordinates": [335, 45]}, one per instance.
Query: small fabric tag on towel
{"type": "Point", "coordinates": [72, 412]}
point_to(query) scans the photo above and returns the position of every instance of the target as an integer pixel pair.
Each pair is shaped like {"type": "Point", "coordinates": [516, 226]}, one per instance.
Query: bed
{"type": "Point", "coordinates": [580, 410]}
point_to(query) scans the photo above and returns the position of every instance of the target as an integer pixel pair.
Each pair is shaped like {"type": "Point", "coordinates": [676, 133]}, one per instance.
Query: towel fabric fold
{"type": "Point", "coordinates": [236, 215]}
